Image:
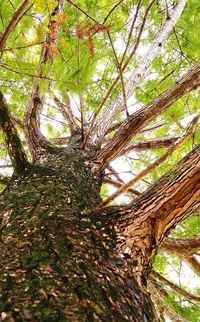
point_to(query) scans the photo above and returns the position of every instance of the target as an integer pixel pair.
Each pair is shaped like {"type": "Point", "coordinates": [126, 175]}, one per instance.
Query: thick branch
{"type": "Point", "coordinates": [193, 263]}
{"type": "Point", "coordinates": [141, 118]}
{"type": "Point", "coordinates": [182, 247]}
{"type": "Point", "coordinates": [170, 200]}
{"type": "Point", "coordinates": [12, 140]}
{"type": "Point", "coordinates": [138, 74]}
{"type": "Point", "coordinates": [154, 165]}
{"type": "Point", "coordinates": [176, 288]}
{"type": "Point", "coordinates": [68, 115]}
{"type": "Point", "coordinates": [18, 14]}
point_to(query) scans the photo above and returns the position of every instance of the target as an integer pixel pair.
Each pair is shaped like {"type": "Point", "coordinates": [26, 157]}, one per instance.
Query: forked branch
{"type": "Point", "coordinates": [139, 119]}
{"type": "Point", "coordinates": [174, 197]}
{"type": "Point", "coordinates": [68, 114]}
{"type": "Point", "coordinates": [100, 127]}
{"type": "Point", "coordinates": [37, 142]}
{"type": "Point", "coordinates": [154, 165]}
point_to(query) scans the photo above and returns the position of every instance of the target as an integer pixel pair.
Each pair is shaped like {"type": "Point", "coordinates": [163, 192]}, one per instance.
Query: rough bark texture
{"type": "Point", "coordinates": [58, 264]}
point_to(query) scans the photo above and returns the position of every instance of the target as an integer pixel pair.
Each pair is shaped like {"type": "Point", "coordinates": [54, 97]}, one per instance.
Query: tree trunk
{"type": "Point", "coordinates": [58, 263]}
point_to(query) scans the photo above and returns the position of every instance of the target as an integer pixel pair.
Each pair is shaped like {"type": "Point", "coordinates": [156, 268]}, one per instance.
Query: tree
{"type": "Point", "coordinates": [85, 84]}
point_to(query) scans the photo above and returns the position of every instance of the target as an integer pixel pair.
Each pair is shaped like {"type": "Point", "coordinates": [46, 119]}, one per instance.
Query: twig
{"type": "Point", "coordinates": [118, 184]}
{"type": "Point", "coordinates": [84, 12]}
{"type": "Point", "coordinates": [119, 71]}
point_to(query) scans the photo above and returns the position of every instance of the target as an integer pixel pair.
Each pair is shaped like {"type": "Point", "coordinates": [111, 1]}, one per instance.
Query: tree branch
{"type": "Point", "coordinates": [182, 247]}
{"type": "Point", "coordinates": [119, 69]}
{"type": "Point", "coordinates": [154, 165]}
{"type": "Point", "coordinates": [176, 288]}
{"type": "Point", "coordinates": [92, 125]}
{"type": "Point", "coordinates": [117, 184]}
{"type": "Point", "coordinates": [149, 218]}
{"type": "Point", "coordinates": [12, 140]}
{"type": "Point", "coordinates": [157, 293]}
{"type": "Point", "coordinates": [138, 120]}
{"type": "Point", "coordinates": [37, 142]}
{"type": "Point", "coordinates": [68, 115]}
{"type": "Point", "coordinates": [16, 17]}
{"type": "Point", "coordinates": [193, 263]}
{"type": "Point", "coordinates": [138, 74]}
{"type": "Point", "coordinates": [149, 145]}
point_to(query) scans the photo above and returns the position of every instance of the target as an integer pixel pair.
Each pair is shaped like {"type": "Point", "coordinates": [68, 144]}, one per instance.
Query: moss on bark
{"type": "Point", "coordinates": [58, 264]}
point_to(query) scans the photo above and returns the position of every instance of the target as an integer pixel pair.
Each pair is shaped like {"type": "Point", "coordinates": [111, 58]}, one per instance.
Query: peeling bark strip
{"type": "Point", "coordinates": [18, 14]}
{"type": "Point", "coordinates": [104, 121]}
{"type": "Point", "coordinates": [148, 220]}
{"type": "Point", "coordinates": [13, 142]}
{"type": "Point", "coordinates": [139, 119]}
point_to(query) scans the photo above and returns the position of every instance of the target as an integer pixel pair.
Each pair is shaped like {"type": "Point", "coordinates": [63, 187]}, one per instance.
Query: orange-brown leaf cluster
{"type": "Point", "coordinates": [91, 46]}
{"type": "Point", "coordinates": [51, 49]}
{"type": "Point", "coordinates": [86, 31]}
{"type": "Point", "coordinates": [38, 30]}
{"type": "Point", "coordinates": [55, 24]}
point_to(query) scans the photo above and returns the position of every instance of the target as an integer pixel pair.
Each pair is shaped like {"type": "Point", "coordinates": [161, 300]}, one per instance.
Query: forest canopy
{"type": "Point", "coordinates": [122, 75]}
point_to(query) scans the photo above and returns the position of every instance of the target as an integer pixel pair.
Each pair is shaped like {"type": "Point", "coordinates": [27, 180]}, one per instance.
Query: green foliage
{"type": "Point", "coordinates": [84, 67]}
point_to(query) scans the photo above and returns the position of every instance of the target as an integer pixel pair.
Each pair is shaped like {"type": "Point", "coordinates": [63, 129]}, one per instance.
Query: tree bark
{"type": "Point", "coordinates": [58, 264]}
